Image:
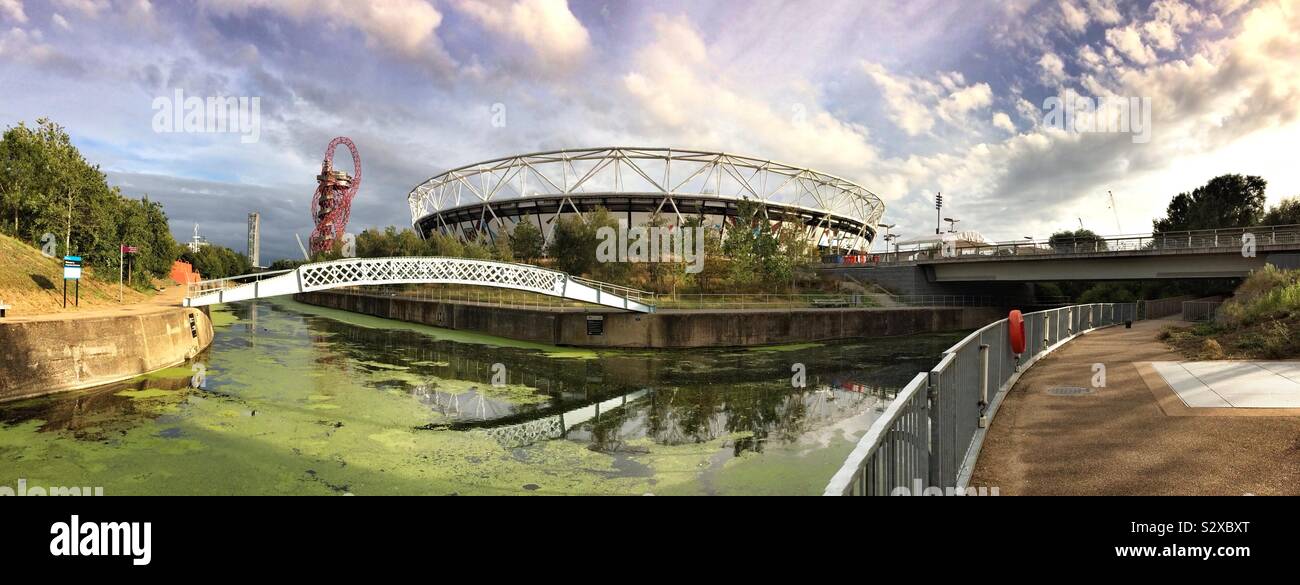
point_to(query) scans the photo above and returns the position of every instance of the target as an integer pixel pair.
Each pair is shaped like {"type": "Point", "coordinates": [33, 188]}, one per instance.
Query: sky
{"type": "Point", "coordinates": [906, 98]}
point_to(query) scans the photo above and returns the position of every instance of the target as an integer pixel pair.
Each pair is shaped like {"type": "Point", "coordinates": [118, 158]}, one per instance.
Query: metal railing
{"type": "Point", "coordinates": [1201, 310]}
{"type": "Point", "coordinates": [1157, 308]}
{"type": "Point", "coordinates": [196, 288]}
{"type": "Point", "coordinates": [629, 293]}
{"type": "Point", "coordinates": [931, 434]}
{"type": "Point", "coordinates": [1214, 239]}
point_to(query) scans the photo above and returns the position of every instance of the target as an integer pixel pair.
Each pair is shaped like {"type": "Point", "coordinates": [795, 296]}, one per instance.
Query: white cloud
{"type": "Point", "coordinates": [1090, 59]}
{"type": "Point", "coordinates": [1229, 108]}
{"type": "Point", "coordinates": [905, 99]}
{"type": "Point", "coordinates": [1003, 122]}
{"type": "Point", "coordinates": [1104, 11]}
{"type": "Point", "coordinates": [548, 27]}
{"type": "Point", "coordinates": [1161, 34]}
{"type": "Point", "coordinates": [60, 22]}
{"type": "Point", "coordinates": [1053, 68]}
{"type": "Point", "coordinates": [1074, 17]}
{"type": "Point", "coordinates": [913, 103]}
{"type": "Point", "coordinates": [1128, 41]}
{"type": "Point", "coordinates": [683, 99]}
{"type": "Point", "coordinates": [965, 100]}
{"type": "Point", "coordinates": [405, 27]}
{"type": "Point", "coordinates": [14, 10]}
{"type": "Point", "coordinates": [87, 8]}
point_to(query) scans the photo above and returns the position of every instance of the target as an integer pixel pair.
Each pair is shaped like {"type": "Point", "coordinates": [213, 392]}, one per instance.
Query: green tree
{"type": "Point", "coordinates": [526, 241]}
{"type": "Point", "coordinates": [47, 186]}
{"type": "Point", "coordinates": [1080, 240]}
{"type": "Point", "coordinates": [573, 246]}
{"type": "Point", "coordinates": [760, 256]}
{"type": "Point", "coordinates": [1226, 201]}
{"type": "Point", "coordinates": [213, 261]}
{"type": "Point", "coordinates": [1286, 212]}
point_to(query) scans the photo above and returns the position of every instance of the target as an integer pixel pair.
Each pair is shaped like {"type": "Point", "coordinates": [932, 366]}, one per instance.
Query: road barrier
{"type": "Point", "coordinates": [930, 435]}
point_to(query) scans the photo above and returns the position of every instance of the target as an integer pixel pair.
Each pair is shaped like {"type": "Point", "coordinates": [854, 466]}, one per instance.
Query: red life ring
{"type": "Point", "coordinates": [1016, 330]}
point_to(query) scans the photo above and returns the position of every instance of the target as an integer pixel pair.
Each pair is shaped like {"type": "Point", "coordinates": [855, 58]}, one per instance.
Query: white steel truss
{"type": "Point", "coordinates": [419, 270]}
{"type": "Point", "coordinates": [832, 206]}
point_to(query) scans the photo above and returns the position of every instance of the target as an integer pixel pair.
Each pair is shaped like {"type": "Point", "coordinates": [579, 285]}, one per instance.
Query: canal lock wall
{"type": "Point", "coordinates": [42, 356]}
{"type": "Point", "coordinates": [664, 329]}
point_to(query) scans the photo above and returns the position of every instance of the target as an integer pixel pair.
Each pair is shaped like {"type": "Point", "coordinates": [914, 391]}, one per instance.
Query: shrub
{"type": "Point", "coordinates": [1210, 349]}
{"type": "Point", "coordinates": [1269, 293]}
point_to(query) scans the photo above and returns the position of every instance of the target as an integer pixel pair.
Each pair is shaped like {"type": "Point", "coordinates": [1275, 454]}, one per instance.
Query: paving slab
{"type": "Point", "coordinates": [1233, 384]}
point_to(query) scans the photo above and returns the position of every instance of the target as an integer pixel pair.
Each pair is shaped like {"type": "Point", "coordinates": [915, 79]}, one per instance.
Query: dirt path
{"type": "Point", "coordinates": [1119, 440]}
{"type": "Point", "coordinates": [169, 298]}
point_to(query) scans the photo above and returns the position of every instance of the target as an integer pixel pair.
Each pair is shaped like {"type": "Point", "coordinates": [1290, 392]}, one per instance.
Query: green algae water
{"type": "Point", "coordinates": [296, 399]}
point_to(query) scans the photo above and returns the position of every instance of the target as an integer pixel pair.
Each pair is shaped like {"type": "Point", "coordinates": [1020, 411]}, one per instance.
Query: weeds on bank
{"type": "Point", "coordinates": [1260, 321]}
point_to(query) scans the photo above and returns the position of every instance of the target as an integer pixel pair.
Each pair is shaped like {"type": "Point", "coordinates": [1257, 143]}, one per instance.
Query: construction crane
{"type": "Point", "coordinates": [1115, 210]}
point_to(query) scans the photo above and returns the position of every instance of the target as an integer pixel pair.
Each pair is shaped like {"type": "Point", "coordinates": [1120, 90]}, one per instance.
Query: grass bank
{"type": "Point", "coordinates": [33, 283]}
{"type": "Point", "coordinates": [1260, 321]}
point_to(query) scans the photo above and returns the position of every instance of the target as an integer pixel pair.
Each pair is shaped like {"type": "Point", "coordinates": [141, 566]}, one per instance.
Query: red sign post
{"type": "Point", "coordinates": [123, 250]}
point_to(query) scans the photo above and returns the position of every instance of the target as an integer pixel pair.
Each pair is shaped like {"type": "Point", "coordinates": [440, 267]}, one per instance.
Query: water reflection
{"type": "Point", "coordinates": [288, 385]}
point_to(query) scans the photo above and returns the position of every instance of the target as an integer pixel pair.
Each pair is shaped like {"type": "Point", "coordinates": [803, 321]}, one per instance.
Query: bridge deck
{"type": "Point", "coordinates": [419, 270]}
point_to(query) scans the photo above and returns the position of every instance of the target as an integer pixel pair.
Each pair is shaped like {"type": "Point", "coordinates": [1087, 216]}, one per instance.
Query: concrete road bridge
{"type": "Point", "coordinates": [417, 270]}
{"type": "Point", "coordinates": [1219, 253]}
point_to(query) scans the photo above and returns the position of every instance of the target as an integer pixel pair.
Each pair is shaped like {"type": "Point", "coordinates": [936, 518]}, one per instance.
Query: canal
{"type": "Point", "coordinates": [296, 399]}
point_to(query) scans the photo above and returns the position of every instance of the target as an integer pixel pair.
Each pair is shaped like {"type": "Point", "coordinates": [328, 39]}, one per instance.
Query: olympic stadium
{"type": "Point", "coordinates": [487, 199]}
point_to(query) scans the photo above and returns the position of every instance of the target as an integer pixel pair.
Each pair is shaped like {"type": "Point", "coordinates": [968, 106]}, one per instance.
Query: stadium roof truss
{"type": "Point", "coordinates": [657, 180]}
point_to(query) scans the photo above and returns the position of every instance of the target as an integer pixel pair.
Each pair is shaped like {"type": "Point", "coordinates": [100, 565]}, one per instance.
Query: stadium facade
{"type": "Point", "coordinates": [486, 199]}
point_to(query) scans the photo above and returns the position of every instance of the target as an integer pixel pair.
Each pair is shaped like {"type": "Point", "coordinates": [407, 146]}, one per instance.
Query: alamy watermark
{"type": "Point", "coordinates": [652, 244]}
{"type": "Point", "coordinates": [95, 539]}
{"type": "Point", "coordinates": [54, 490]}
{"type": "Point", "coordinates": [1112, 114]}
{"type": "Point", "coordinates": [918, 488]}
{"type": "Point", "coordinates": [211, 115]}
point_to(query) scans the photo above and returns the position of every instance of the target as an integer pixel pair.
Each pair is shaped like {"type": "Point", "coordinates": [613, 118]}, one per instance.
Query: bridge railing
{"type": "Point", "coordinates": [196, 288]}
{"type": "Point", "coordinates": [931, 434]}
{"type": "Point", "coordinates": [1229, 238]}
{"type": "Point", "coordinates": [628, 293]}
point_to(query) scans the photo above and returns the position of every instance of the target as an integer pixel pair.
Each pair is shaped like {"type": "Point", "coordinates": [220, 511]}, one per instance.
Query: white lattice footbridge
{"type": "Point", "coordinates": [418, 270]}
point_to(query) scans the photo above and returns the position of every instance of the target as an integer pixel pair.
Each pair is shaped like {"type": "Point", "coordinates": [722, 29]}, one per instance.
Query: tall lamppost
{"type": "Point", "coordinates": [889, 237]}
{"type": "Point", "coordinates": [938, 207]}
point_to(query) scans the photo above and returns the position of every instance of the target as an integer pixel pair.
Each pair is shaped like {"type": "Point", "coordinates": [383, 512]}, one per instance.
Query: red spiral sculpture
{"type": "Point", "coordinates": [332, 202]}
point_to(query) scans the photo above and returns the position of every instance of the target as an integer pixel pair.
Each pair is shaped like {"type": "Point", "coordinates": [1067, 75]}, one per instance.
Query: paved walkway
{"type": "Point", "coordinates": [1134, 436]}
{"type": "Point", "coordinates": [1227, 384]}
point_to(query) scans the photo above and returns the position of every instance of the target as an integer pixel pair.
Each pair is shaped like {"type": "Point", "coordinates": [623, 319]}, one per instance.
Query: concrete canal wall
{"type": "Point", "coordinates": [665, 329]}
{"type": "Point", "coordinates": [44, 355]}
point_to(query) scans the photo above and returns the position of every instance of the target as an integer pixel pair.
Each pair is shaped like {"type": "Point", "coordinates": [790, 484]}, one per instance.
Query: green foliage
{"type": "Point", "coordinates": [1267, 294]}
{"type": "Point", "coordinates": [1080, 240]}
{"type": "Point", "coordinates": [527, 241]}
{"type": "Point", "coordinates": [286, 264]}
{"type": "Point", "coordinates": [762, 257]}
{"type": "Point", "coordinates": [47, 186]}
{"type": "Point", "coordinates": [573, 246]}
{"type": "Point", "coordinates": [1108, 293]}
{"type": "Point", "coordinates": [715, 267]}
{"type": "Point", "coordinates": [217, 262]}
{"type": "Point", "coordinates": [372, 243]}
{"type": "Point", "coordinates": [1286, 212]}
{"type": "Point", "coordinates": [1224, 202]}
